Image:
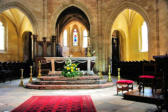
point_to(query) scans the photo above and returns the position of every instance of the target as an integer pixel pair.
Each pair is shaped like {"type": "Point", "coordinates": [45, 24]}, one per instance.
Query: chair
{"type": "Point", "coordinates": [148, 77]}
{"type": "Point", "coordinates": [124, 85]}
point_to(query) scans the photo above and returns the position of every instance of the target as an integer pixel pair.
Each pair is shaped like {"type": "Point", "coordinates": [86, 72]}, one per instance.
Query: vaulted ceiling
{"type": "Point", "coordinates": [19, 20]}
{"type": "Point", "coordinates": [72, 14]}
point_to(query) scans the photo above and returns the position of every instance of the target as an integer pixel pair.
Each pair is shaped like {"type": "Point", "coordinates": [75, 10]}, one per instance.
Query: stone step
{"type": "Point", "coordinates": [76, 86]}
{"type": "Point", "coordinates": [70, 82]}
{"type": "Point", "coordinates": [62, 78]}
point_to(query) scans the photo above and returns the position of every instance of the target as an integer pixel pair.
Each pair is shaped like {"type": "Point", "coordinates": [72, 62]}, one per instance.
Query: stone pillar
{"type": "Point", "coordinates": [58, 48]}
{"type": "Point", "coordinates": [30, 47]}
{"type": "Point", "coordinates": [53, 49]}
{"type": "Point", "coordinates": [56, 39]}
{"type": "Point", "coordinates": [44, 47]}
{"type": "Point", "coordinates": [34, 46]}
{"type": "Point", "coordinates": [52, 66]}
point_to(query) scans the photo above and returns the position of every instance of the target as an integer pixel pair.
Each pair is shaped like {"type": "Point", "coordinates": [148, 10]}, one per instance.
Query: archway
{"type": "Point", "coordinates": [131, 23]}
{"type": "Point", "coordinates": [23, 9]}
{"type": "Point", "coordinates": [17, 24]}
{"type": "Point", "coordinates": [108, 30]}
{"type": "Point", "coordinates": [72, 19]}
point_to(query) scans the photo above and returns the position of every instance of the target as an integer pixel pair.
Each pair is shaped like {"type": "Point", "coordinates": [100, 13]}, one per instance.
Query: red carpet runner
{"type": "Point", "coordinates": [57, 104]}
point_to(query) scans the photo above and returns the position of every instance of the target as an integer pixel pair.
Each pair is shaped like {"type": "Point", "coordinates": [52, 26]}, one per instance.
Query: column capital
{"type": "Point", "coordinates": [44, 39]}
{"type": "Point", "coordinates": [35, 37]}
{"type": "Point", "coordinates": [53, 38]}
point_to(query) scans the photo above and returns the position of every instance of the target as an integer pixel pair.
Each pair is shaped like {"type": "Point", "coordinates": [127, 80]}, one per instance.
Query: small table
{"type": "Point", "coordinates": [124, 85]}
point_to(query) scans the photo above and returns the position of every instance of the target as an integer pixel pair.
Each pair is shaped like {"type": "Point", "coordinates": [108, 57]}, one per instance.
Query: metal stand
{"type": "Point", "coordinates": [31, 79]}
{"type": "Point", "coordinates": [88, 52]}
{"type": "Point", "coordinates": [21, 79]}
{"type": "Point", "coordinates": [118, 74]}
{"type": "Point", "coordinates": [109, 74]}
{"type": "Point", "coordinates": [39, 70]}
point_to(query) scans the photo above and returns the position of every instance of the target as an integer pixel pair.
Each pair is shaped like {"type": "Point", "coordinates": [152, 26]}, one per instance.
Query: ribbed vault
{"type": "Point", "coordinates": [72, 14]}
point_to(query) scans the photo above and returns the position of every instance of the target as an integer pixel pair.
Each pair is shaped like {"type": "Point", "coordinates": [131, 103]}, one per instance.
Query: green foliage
{"type": "Point", "coordinates": [70, 69]}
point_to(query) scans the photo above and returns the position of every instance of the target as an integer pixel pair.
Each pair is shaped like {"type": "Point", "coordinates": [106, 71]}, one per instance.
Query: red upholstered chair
{"type": "Point", "coordinates": [146, 80]}
{"type": "Point", "coordinates": [124, 85]}
{"type": "Point", "coordinates": [148, 77]}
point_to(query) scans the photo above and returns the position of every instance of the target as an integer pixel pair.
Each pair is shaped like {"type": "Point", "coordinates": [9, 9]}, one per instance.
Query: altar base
{"type": "Point", "coordinates": [54, 80]}
{"type": "Point", "coordinates": [60, 82]}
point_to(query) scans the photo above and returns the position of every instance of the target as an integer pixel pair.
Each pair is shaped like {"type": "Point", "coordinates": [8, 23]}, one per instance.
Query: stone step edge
{"type": "Point", "coordinates": [52, 87]}
{"type": "Point", "coordinates": [60, 82]}
{"type": "Point", "coordinates": [49, 78]}
{"type": "Point", "coordinates": [69, 80]}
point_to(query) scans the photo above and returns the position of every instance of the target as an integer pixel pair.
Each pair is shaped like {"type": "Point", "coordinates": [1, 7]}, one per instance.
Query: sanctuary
{"type": "Point", "coordinates": [118, 51]}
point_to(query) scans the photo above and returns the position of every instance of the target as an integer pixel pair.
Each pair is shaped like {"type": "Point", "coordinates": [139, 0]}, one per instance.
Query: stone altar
{"type": "Point", "coordinates": [74, 59]}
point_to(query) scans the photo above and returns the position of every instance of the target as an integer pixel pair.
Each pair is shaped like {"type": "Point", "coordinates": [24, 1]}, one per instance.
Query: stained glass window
{"type": "Point", "coordinates": [144, 42]}
{"type": "Point", "coordinates": [85, 39]}
{"type": "Point", "coordinates": [65, 38]}
{"type": "Point", "coordinates": [75, 38]}
{"type": "Point", "coordinates": [2, 37]}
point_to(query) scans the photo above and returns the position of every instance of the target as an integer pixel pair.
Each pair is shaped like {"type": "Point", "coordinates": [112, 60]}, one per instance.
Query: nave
{"type": "Point", "coordinates": [105, 100]}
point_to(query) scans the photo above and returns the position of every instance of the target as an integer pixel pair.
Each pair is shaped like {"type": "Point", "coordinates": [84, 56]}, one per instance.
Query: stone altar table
{"type": "Point", "coordinates": [74, 59]}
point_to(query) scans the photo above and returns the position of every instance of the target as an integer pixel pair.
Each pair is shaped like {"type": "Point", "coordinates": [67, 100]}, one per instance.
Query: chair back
{"type": "Point", "coordinates": [149, 69]}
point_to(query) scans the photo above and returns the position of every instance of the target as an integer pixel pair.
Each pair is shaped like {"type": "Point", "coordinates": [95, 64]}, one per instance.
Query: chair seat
{"type": "Point", "coordinates": [125, 82]}
{"type": "Point", "coordinates": [146, 80]}
{"type": "Point", "coordinates": [147, 76]}
{"type": "Point", "coordinates": [124, 85]}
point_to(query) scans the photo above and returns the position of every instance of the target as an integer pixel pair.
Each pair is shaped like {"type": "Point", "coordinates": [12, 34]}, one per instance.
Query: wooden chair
{"type": "Point", "coordinates": [148, 76]}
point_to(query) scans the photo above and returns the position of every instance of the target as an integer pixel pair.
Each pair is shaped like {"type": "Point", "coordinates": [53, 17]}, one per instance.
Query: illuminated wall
{"type": "Point", "coordinates": [17, 24]}
{"type": "Point", "coordinates": [129, 23]}
{"type": "Point", "coordinates": [75, 51]}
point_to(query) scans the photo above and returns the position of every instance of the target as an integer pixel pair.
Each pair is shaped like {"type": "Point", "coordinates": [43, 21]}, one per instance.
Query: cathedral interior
{"type": "Point", "coordinates": [120, 40]}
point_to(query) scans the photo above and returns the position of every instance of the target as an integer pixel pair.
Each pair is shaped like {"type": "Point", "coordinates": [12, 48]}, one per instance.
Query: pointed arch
{"type": "Point", "coordinates": [57, 12]}
{"type": "Point", "coordinates": [25, 10]}
{"type": "Point", "coordinates": [65, 37]}
{"type": "Point", "coordinates": [122, 7]}
{"type": "Point", "coordinates": [2, 36]}
{"type": "Point", "coordinates": [71, 14]}
{"type": "Point", "coordinates": [75, 36]}
{"type": "Point", "coordinates": [113, 16]}
{"type": "Point", "coordinates": [85, 38]}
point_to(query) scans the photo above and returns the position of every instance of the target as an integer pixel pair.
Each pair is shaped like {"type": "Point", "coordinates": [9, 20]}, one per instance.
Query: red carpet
{"type": "Point", "coordinates": [57, 104]}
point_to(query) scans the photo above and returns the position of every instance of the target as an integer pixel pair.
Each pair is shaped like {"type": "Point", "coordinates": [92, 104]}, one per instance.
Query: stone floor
{"type": "Point", "coordinates": [105, 100]}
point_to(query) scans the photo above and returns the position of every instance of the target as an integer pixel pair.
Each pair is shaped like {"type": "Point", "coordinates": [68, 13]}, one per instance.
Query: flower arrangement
{"type": "Point", "coordinates": [70, 69]}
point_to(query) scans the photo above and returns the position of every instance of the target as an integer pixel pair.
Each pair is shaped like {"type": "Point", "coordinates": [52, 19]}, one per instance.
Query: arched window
{"type": "Point", "coordinates": [75, 38]}
{"type": "Point", "coordinates": [2, 37]}
{"type": "Point", "coordinates": [85, 42]}
{"type": "Point", "coordinates": [65, 38]}
{"type": "Point", "coordinates": [144, 40]}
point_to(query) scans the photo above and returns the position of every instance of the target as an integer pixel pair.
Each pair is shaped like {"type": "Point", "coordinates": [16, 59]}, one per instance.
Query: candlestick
{"type": "Point", "coordinates": [109, 74]}
{"type": "Point", "coordinates": [31, 79]}
{"type": "Point", "coordinates": [118, 74]}
{"type": "Point", "coordinates": [21, 78]}
{"type": "Point", "coordinates": [39, 70]}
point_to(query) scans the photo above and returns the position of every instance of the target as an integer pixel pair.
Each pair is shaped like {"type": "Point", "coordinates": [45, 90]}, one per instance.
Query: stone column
{"type": "Point", "coordinates": [34, 46]}
{"type": "Point", "coordinates": [53, 46]}
{"type": "Point", "coordinates": [30, 47]}
{"type": "Point", "coordinates": [44, 47]}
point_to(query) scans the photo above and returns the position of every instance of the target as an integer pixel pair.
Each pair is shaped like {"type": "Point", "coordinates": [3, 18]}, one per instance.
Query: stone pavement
{"type": "Point", "coordinates": [105, 100]}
